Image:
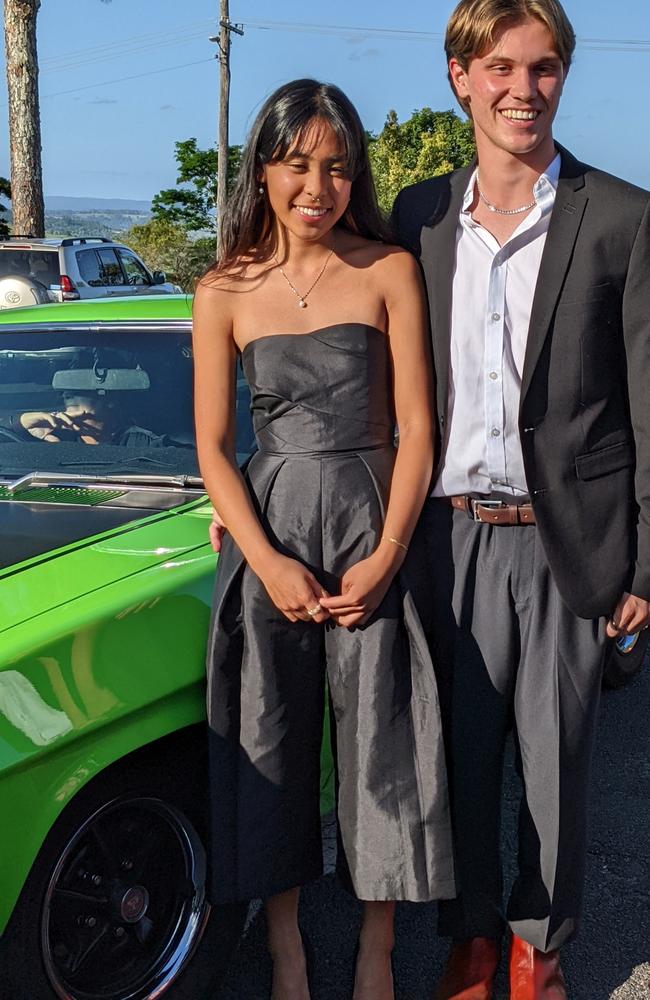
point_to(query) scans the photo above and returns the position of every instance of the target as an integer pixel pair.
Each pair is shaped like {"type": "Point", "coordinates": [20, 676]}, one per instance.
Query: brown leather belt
{"type": "Point", "coordinates": [493, 511]}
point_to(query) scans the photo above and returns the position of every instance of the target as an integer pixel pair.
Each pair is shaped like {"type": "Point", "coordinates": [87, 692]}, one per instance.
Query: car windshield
{"type": "Point", "coordinates": [38, 265]}
{"type": "Point", "coordinates": [102, 402]}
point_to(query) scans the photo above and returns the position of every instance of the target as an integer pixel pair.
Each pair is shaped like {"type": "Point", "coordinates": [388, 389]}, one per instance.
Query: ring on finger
{"type": "Point", "coordinates": [617, 628]}
{"type": "Point", "coordinates": [314, 611]}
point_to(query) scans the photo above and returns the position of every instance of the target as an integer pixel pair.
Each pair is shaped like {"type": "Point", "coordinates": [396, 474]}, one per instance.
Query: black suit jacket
{"type": "Point", "coordinates": [584, 416]}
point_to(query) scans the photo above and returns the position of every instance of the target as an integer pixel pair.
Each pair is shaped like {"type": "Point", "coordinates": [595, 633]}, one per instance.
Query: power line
{"type": "Point", "coordinates": [125, 48]}
{"type": "Point", "coordinates": [122, 79]}
{"type": "Point", "coordinates": [97, 50]}
{"type": "Point", "coordinates": [600, 44]}
{"type": "Point", "coordinates": [194, 30]}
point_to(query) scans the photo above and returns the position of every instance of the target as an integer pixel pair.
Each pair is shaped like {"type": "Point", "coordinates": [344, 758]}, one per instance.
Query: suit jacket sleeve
{"type": "Point", "coordinates": [636, 331]}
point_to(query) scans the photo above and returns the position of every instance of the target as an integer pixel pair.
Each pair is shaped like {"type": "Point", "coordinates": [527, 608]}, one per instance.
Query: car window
{"type": "Point", "coordinates": [89, 267]}
{"type": "Point", "coordinates": [136, 273]}
{"type": "Point", "coordinates": [111, 272]}
{"type": "Point", "coordinates": [39, 265]}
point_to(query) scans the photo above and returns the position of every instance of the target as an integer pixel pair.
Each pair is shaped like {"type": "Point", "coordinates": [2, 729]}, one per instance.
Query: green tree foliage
{"type": "Point", "coordinates": [191, 206]}
{"type": "Point", "coordinates": [167, 246]}
{"type": "Point", "coordinates": [427, 144]}
{"type": "Point", "coordinates": [5, 192]}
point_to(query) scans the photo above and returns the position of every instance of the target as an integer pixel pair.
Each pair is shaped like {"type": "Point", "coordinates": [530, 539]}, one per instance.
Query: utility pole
{"type": "Point", "coordinates": [223, 40]}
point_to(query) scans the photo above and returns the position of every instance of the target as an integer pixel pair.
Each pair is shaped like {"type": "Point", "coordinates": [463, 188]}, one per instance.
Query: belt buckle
{"type": "Point", "coordinates": [494, 504]}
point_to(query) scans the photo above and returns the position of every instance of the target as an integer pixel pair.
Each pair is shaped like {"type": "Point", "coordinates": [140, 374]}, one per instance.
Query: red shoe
{"type": "Point", "coordinates": [534, 974]}
{"type": "Point", "coordinates": [470, 970]}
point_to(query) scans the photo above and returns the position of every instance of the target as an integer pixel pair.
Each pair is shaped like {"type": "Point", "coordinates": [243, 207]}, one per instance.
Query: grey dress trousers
{"type": "Point", "coordinates": [322, 413]}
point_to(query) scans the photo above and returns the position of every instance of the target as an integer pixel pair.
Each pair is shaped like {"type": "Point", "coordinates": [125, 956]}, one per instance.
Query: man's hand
{"type": "Point", "coordinates": [216, 531]}
{"type": "Point", "coordinates": [631, 615]}
{"type": "Point", "coordinates": [47, 426]}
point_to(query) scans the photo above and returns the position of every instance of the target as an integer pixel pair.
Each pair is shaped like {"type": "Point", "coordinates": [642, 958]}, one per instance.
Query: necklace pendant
{"type": "Point", "coordinates": [302, 304]}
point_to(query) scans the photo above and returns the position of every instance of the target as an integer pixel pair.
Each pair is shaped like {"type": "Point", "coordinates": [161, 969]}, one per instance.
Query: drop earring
{"type": "Point", "coordinates": [261, 189]}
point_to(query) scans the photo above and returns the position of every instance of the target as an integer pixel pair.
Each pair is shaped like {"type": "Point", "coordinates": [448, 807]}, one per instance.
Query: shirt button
{"type": "Point", "coordinates": [496, 432]}
{"type": "Point", "coordinates": [495, 317]}
{"type": "Point", "coordinates": [494, 376]}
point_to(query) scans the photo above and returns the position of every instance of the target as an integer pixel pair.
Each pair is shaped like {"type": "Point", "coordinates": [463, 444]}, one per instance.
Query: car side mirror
{"type": "Point", "coordinates": [159, 277]}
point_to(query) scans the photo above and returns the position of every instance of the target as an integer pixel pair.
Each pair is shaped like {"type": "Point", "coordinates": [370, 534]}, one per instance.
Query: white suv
{"type": "Point", "coordinates": [34, 271]}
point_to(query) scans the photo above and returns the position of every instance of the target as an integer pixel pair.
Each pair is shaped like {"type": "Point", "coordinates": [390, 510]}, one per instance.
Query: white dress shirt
{"type": "Point", "coordinates": [492, 299]}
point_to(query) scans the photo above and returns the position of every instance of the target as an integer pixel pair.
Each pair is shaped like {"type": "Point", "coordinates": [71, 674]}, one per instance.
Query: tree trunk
{"type": "Point", "coordinates": [24, 117]}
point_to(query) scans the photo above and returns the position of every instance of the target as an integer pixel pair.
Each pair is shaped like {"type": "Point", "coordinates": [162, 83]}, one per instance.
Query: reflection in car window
{"type": "Point", "coordinates": [89, 267]}
{"type": "Point", "coordinates": [135, 272]}
{"type": "Point", "coordinates": [111, 272]}
{"type": "Point", "coordinates": [103, 400]}
{"type": "Point", "coordinates": [40, 265]}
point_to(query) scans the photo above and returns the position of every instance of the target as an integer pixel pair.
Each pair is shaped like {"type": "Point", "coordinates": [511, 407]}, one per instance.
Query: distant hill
{"type": "Point", "coordinates": [96, 222]}
{"type": "Point", "coordinates": [62, 203]}
{"type": "Point", "coordinates": [67, 216]}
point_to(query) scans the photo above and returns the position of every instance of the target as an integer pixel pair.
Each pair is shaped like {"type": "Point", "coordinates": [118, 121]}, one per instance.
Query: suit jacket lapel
{"type": "Point", "coordinates": [438, 257]}
{"type": "Point", "coordinates": [570, 204]}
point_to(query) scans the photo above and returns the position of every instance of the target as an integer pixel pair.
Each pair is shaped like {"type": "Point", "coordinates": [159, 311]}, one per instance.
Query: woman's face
{"type": "Point", "coordinates": [309, 189]}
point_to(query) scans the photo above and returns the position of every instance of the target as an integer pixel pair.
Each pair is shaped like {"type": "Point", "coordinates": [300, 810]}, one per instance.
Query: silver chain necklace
{"type": "Point", "coordinates": [302, 299]}
{"type": "Point", "coordinates": [503, 211]}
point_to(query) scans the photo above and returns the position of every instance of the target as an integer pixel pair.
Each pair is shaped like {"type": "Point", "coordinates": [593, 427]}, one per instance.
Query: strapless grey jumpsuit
{"type": "Point", "coordinates": [324, 423]}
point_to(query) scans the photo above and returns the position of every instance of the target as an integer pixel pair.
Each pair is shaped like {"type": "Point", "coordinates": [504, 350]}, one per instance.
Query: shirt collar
{"type": "Point", "coordinates": [544, 190]}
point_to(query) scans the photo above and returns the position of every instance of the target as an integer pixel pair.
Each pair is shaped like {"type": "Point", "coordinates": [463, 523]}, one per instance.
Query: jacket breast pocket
{"type": "Point", "coordinates": [604, 461]}
{"type": "Point", "coordinates": [573, 299]}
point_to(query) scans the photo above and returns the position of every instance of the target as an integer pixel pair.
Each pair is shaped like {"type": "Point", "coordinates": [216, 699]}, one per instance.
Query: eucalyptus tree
{"type": "Point", "coordinates": [24, 116]}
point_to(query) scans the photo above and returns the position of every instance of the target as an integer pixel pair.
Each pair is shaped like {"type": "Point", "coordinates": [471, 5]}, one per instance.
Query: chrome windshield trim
{"type": "Point", "coordinates": [115, 326]}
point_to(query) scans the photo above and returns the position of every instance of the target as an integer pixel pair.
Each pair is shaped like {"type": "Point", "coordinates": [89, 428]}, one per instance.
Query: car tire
{"type": "Point", "coordinates": [625, 659]}
{"type": "Point", "coordinates": [121, 880]}
{"type": "Point", "coordinates": [16, 291]}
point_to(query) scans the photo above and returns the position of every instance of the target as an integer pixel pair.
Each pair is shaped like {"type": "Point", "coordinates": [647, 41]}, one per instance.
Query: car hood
{"type": "Point", "coordinates": [55, 551]}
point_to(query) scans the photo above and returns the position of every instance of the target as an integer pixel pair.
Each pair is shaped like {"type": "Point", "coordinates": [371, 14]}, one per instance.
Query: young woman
{"type": "Point", "coordinates": [329, 320]}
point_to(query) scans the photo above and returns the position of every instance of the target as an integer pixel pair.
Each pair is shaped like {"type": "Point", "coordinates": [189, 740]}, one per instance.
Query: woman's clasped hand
{"type": "Point", "coordinates": [293, 589]}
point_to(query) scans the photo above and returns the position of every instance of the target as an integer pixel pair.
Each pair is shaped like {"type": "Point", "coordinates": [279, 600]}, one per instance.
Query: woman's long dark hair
{"type": "Point", "coordinates": [284, 119]}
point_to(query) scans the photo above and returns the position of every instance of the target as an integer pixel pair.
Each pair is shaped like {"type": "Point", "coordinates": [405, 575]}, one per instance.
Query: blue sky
{"type": "Point", "coordinates": [121, 82]}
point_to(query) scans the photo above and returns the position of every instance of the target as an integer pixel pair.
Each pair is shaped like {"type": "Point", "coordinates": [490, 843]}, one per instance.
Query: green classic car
{"type": "Point", "coordinates": [106, 577]}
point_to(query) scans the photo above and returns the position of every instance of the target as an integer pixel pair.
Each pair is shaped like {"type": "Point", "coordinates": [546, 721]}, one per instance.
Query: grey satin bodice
{"type": "Point", "coordinates": [325, 391]}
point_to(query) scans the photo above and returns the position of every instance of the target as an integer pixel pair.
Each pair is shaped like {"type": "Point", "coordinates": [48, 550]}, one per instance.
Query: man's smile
{"type": "Point", "coordinates": [520, 116]}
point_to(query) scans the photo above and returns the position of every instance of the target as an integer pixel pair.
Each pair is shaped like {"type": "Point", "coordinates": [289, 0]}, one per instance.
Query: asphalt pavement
{"type": "Point", "coordinates": [610, 959]}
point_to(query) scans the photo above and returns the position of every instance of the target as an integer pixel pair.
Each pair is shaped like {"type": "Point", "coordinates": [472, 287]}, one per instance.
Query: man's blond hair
{"type": "Point", "coordinates": [474, 24]}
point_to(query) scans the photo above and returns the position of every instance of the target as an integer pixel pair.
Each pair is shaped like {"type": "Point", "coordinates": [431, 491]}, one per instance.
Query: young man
{"type": "Point", "coordinates": [539, 523]}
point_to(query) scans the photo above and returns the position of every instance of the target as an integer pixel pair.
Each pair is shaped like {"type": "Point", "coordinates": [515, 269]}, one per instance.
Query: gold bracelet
{"type": "Point", "coordinates": [395, 541]}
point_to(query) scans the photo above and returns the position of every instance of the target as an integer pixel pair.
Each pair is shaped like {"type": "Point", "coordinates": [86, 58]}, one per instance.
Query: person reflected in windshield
{"type": "Point", "coordinates": [90, 419]}
{"type": "Point", "coordinates": [87, 418]}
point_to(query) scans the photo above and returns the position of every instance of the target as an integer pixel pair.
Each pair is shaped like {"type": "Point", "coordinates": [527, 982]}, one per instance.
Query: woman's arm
{"type": "Point", "coordinates": [290, 585]}
{"type": "Point", "coordinates": [364, 585]}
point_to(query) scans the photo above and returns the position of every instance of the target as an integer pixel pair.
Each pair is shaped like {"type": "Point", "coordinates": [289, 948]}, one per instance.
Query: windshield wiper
{"type": "Point", "coordinates": [135, 460]}
{"type": "Point", "coordinates": [129, 480]}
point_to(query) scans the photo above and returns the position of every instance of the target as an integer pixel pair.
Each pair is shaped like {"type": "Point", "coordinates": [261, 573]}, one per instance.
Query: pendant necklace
{"type": "Point", "coordinates": [503, 211]}
{"type": "Point", "coordinates": [302, 299]}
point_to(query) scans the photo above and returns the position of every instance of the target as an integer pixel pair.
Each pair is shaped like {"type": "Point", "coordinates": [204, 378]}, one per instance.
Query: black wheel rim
{"type": "Point", "coordinates": [125, 906]}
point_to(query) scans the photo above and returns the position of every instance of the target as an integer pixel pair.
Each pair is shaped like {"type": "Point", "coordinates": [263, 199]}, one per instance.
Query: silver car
{"type": "Point", "coordinates": [34, 271]}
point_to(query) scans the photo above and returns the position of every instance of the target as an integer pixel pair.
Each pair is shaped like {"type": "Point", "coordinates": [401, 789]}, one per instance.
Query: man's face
{"type": "Point", "coordinates": [90, 416]}
{"type": "Point", "coordinates": [513, 91]}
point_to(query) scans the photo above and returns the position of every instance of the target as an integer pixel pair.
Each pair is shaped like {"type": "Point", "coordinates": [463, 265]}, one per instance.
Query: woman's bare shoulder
{"type": "Point", "coordinates": [369, 252]}
{"type": "Point", "coordinates": [243, 274]}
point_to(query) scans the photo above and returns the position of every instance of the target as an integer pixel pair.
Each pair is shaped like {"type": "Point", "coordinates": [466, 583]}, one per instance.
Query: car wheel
{"type": "Point", "coordinates": [17, 291]}
{"type": "Point", "coordinates": [116, 907]}
{"type": "Point", "coordinates": [625, 659]}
